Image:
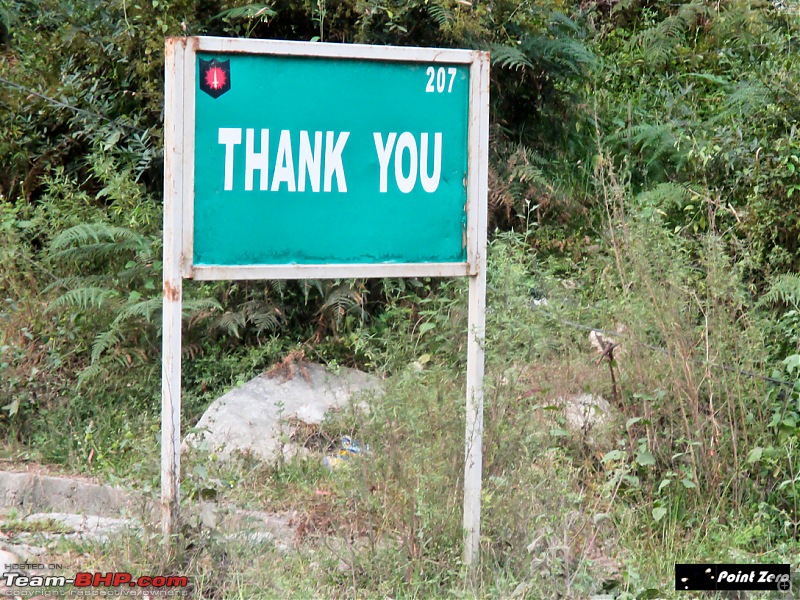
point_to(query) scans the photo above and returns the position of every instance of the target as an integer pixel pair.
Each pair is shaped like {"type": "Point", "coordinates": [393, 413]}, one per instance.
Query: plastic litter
{"type": "Point", "coordinates": [348, 448]}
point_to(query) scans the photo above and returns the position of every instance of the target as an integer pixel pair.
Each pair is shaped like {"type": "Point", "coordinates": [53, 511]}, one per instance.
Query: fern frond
{"type": "Point", "coordinates": [342, 299]}
{"type": "Point", "coordinates": [525, 165]}
{"type": "Point", "coordinates": [664, 196]}
{"type": "Point", "coordinates": [231, 323]}
{"type": "Point", "coordinates": [530, 174]}
{"type": "Point", "coordinates": [786, 289]}
{"type": "Point", "coordinates": [510, 57]}
{"type": "Point", "coordinates": [192, 307]}
{"type": "Point", "coordinates": [745, 28]}
{"type": "Point", "coordinates": [342, 296]}
{"type": "Point", "coordinates": [654, 140]}
{"type": "Point", "coordinates": [747, 98]}
{"type": "Point", "coordinates": [97, 250]}
{"type": "Point", "coordinates": [559, 23]}
{"type": "Point", "coordinates": [144, 309]}
{"type": "Point", "coordinates": [84, 297]}
{"type": "Point", "coordinates": [530, 156]}
{"type": "Point", "coordinates": [92, 371]}
{"type": "Point", "coordinates": [262, 12]}
{"type": "Point", "coordinates": [76, 281]}
{"type": "Point", "coordinates": [105, 341]}
{"type": "Point", "coordinates": [658, 43]}
{"type": "Point", "coordinates": [86, 233]}
{"type": "Point", "coordinates": [265, 321]}
{"type": "Point", "coordinates": [277, 286]}
{"type": "Point", "coordinates": [306, 285]}
{"type": "Point", "coordinates": [196, 311]}
{"type": "Point", "coordinates": [441, 14]}
{"type": "Point", "coordinates": [555, 53]}
{"type": "Point", "coordinates": [140, 271]}
{"type": "Point", "coordinates": [567, 54]}
{"type": "Point", "coordinates": [123, 357]}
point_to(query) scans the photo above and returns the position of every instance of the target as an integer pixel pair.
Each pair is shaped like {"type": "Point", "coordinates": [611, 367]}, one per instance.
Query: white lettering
{"type": "Point", "coordinates": [430, 184]}
{"type": "Point", "coordinates": [452, 72]}
{"type": "Point", "coordinates": [256, 160]}
{"type": "Point", "coordinates": [406, 141]}
{"type": "Point", "coordinates": [284, 164]}
{"type": "Point", "coordinates": [333, 160]}
{"type": "Point", "coordinates": [230, 137]}
{"type": "Point", "coordinates": [384, 154]}
{"type": "Point", "coordinates": [310, 161]}
{"type": "Point", "coordinates": [309, 171]}
{"type": "Point", "coordinates": [430, 72]}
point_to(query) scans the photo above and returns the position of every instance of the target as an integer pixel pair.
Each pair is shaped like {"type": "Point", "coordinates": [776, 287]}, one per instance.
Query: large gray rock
{"type": "Point", "coordinates": [33, 492]}
{"type": "Point", "coordinates": [250, 418]}
{"type": "Point", "coordinates": [81, 527]}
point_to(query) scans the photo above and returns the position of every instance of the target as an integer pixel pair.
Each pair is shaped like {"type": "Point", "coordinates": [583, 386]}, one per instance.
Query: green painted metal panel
{"type": "Point", "coordinates": [340, 104]}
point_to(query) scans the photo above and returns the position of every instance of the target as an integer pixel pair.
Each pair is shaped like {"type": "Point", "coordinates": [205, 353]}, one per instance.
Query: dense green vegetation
{"type": "Point", "coordinates": [644, 176]}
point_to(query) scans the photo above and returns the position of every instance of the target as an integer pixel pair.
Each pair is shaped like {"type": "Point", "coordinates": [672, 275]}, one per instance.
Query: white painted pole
{"type": "Point", "coordinates": [173, 286]}
{"type": "Point", "coordinates": [478, 190]}
{"type": "Point", "coordinates": [474, 434]}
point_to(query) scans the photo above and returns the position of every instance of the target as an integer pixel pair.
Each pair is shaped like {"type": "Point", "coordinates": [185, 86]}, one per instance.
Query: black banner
{"type": "Point", "coordinates": [695, 577]}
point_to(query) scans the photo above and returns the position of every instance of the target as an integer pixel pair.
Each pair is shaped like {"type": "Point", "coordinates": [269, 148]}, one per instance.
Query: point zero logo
{"type": "Point", "coordinates": [732, 577]}
{"type": "Point", "coordinates": [215, 76]}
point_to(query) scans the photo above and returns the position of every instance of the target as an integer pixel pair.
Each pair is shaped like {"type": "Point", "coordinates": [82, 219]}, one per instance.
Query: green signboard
{"type": "Point", "coordinates": [292, 160]}
{"type": "Point", "coordinates": [300, 160]}
{"type": "Point", "coordinates": [308, 160]}
{"type": "Point", "coordinates": [329, 160]}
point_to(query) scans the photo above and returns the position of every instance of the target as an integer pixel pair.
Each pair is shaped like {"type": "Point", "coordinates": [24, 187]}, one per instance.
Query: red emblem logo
{"type": "Point", "coordinates": [215, 76]}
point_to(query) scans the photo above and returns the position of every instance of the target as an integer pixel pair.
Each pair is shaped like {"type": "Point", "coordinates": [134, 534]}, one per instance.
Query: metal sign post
{"type": "Point", "coordinates": [295, 160]}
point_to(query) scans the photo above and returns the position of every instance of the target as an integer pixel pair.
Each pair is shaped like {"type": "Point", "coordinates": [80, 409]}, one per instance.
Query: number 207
{"type": "Point", "coordinates": [438, 77]}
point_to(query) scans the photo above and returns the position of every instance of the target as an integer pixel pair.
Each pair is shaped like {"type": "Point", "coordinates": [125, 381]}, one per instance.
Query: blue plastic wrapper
{"type": "Point", "coordinates": [348, 448]}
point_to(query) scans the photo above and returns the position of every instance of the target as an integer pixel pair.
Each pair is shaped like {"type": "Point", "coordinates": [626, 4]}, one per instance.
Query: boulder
{"type": "Point", "coordinates": [251, 418]}
{"type": "Point", "coordinates": [81, 526]}
{"type": "Point", "coordinates": [34, 492]}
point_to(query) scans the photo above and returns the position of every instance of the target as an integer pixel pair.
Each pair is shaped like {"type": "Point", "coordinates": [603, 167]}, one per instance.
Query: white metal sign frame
{"type": "Point", "coordinates": [179, 155]}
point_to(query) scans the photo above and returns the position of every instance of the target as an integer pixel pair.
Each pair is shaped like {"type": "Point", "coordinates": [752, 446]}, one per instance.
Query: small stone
{"type": "Point", "coordinates": [586, 411]}
{"type": "Point", "coordinates": [343, 567]}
